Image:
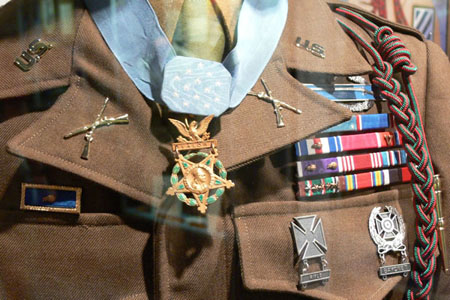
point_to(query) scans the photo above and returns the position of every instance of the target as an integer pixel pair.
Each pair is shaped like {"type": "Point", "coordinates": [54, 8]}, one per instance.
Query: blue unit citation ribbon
{"type": "Point", "coordinates": [363, 122]}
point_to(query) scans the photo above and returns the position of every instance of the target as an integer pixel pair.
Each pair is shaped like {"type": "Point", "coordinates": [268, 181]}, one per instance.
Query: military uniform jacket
{"type": "Point", "coordinates": [242, 249]}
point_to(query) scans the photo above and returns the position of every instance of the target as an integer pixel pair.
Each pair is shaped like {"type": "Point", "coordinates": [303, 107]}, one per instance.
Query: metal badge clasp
{"type": "Point", "coordinates": [32, 55]}
{"type": "Point", "coordinates": [310, 244]}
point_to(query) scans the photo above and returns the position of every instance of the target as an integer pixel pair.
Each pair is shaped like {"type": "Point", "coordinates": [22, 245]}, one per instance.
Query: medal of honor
{"type": "Point", "coordinates": [388, 232]}
{"type": "Point", "coordinates": [198, 178]}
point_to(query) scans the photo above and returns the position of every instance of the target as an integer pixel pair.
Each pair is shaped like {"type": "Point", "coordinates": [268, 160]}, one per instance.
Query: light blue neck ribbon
{"type": "Point", "coordinates": [189, 85]}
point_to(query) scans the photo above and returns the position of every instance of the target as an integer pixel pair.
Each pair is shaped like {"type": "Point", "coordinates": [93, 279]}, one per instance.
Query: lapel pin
{"type": "Point", "coordinates": [32, 55]}
{"type": "Point", "coordinates": [310, 245]}
{"type": "Point", "coordinates": [387, 230]}
{"type": "Point", "coordinates": [278, 105]}
{"type": "Point", "coordinates": [100, 121]}
{"type": "Point", "coordinates": [199, 184]}
{"type": "Point", "coordinates": [315, 49]}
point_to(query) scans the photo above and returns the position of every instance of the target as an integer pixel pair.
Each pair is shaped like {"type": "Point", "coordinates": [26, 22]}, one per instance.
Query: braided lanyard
{"type": "Point", "coordinates": [391, 55]}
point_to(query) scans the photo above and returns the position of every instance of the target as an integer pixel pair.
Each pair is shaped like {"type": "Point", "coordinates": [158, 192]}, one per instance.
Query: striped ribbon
{"type": "Point", "coordinates": [343, 143]}
{"type": "Point", "coordinates": [353, 182]}
{"type": "Point", "coordinates": [349, 163]}
{"type": "Point", "coordinates": [363, 122]}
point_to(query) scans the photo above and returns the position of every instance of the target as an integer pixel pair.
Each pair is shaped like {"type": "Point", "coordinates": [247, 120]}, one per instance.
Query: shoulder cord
{"type": "Point", "coordinates": [391, 55]}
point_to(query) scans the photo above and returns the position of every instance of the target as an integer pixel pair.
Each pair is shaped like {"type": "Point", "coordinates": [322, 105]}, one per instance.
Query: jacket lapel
{"type": "Point", "coordinates": [313, 22]}
{"type": "Point", "coordinates": [136, 159]}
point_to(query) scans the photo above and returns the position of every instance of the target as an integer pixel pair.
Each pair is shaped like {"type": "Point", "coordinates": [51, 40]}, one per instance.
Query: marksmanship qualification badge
{"type": "Point", "coordinates": [198, 178]}
{"type": "Point", "coordinates": [310, 245]}
{"type": "Point", "coordinates": [387, 229]}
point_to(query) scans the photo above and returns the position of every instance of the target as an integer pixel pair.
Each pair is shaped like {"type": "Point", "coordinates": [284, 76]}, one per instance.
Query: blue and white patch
{"type": "Point", "coordinates": [423, 20]}
{"type": "Point", "coordinates": [50, 198]}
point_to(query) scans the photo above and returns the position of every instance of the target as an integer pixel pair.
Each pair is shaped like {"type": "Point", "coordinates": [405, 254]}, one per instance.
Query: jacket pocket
{"type": "Point", "coordinates": [54, 256]}
{"type": "Point", "coordinates": [266, 248]}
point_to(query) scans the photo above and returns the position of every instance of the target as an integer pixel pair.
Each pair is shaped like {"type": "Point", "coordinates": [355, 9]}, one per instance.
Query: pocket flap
{"type": "Point", "coordinates": [267, 253]}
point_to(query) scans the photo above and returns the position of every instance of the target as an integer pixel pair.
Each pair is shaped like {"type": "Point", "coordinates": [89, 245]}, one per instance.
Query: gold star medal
{"type": "Point", "coordinates": [198, 178]}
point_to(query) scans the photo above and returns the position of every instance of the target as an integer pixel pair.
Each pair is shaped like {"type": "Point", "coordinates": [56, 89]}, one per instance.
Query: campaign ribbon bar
{"type": "Point", "coordinates": [349, 163]}
{"type": "Point", "coordinates": [353, 182]}
{"type": "Point", "coordinates": [336, 144]}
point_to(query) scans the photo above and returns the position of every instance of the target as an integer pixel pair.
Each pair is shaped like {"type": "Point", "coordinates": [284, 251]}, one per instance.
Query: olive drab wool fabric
{"type": "Point", "coordinates": [242, 247]}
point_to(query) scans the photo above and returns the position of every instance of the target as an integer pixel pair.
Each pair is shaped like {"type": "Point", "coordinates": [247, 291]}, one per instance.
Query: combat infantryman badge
{"type": "Point", "coordinates": [310, 244]}
{"type": "Point", "coordinates": [388, 231]}
{"type": "Point", "coordinates": [197, 168]}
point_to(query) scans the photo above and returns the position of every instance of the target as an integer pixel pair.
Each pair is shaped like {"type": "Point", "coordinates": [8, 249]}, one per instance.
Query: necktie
{"type": "Point", "coordinates": [199, 32]}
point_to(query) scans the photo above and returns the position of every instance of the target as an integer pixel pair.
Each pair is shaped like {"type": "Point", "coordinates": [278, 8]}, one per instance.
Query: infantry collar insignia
{"type": "Point", "coordinates": [310, 244]}
{"type": "Point", "coordinates": [315, 49]}
{"type": "Point", "coordinates": [32, 55]}
{"type": "Point", "coordinates": [387, 230]}
{"type": "Point", "coordinates": [100, 121]}
{"type": "Point", "coordinates": [278, 105]}
{"type": "Point", "coordinates": [198, 178]}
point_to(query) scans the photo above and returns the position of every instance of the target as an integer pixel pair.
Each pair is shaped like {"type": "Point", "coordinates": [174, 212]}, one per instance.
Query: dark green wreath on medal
{"type": "Point", "coordinates": [199, 184]}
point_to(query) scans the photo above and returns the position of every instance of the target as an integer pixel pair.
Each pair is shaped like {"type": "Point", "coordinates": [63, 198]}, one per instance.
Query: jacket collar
{"type": "Point", "coordinates": [136, 159]}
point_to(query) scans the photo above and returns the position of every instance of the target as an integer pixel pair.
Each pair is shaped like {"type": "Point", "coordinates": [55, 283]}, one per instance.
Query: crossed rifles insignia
{"type": "Point", "coordinates": [194, 180]}
{"type": "Point", "coordinates": [89, 130]}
